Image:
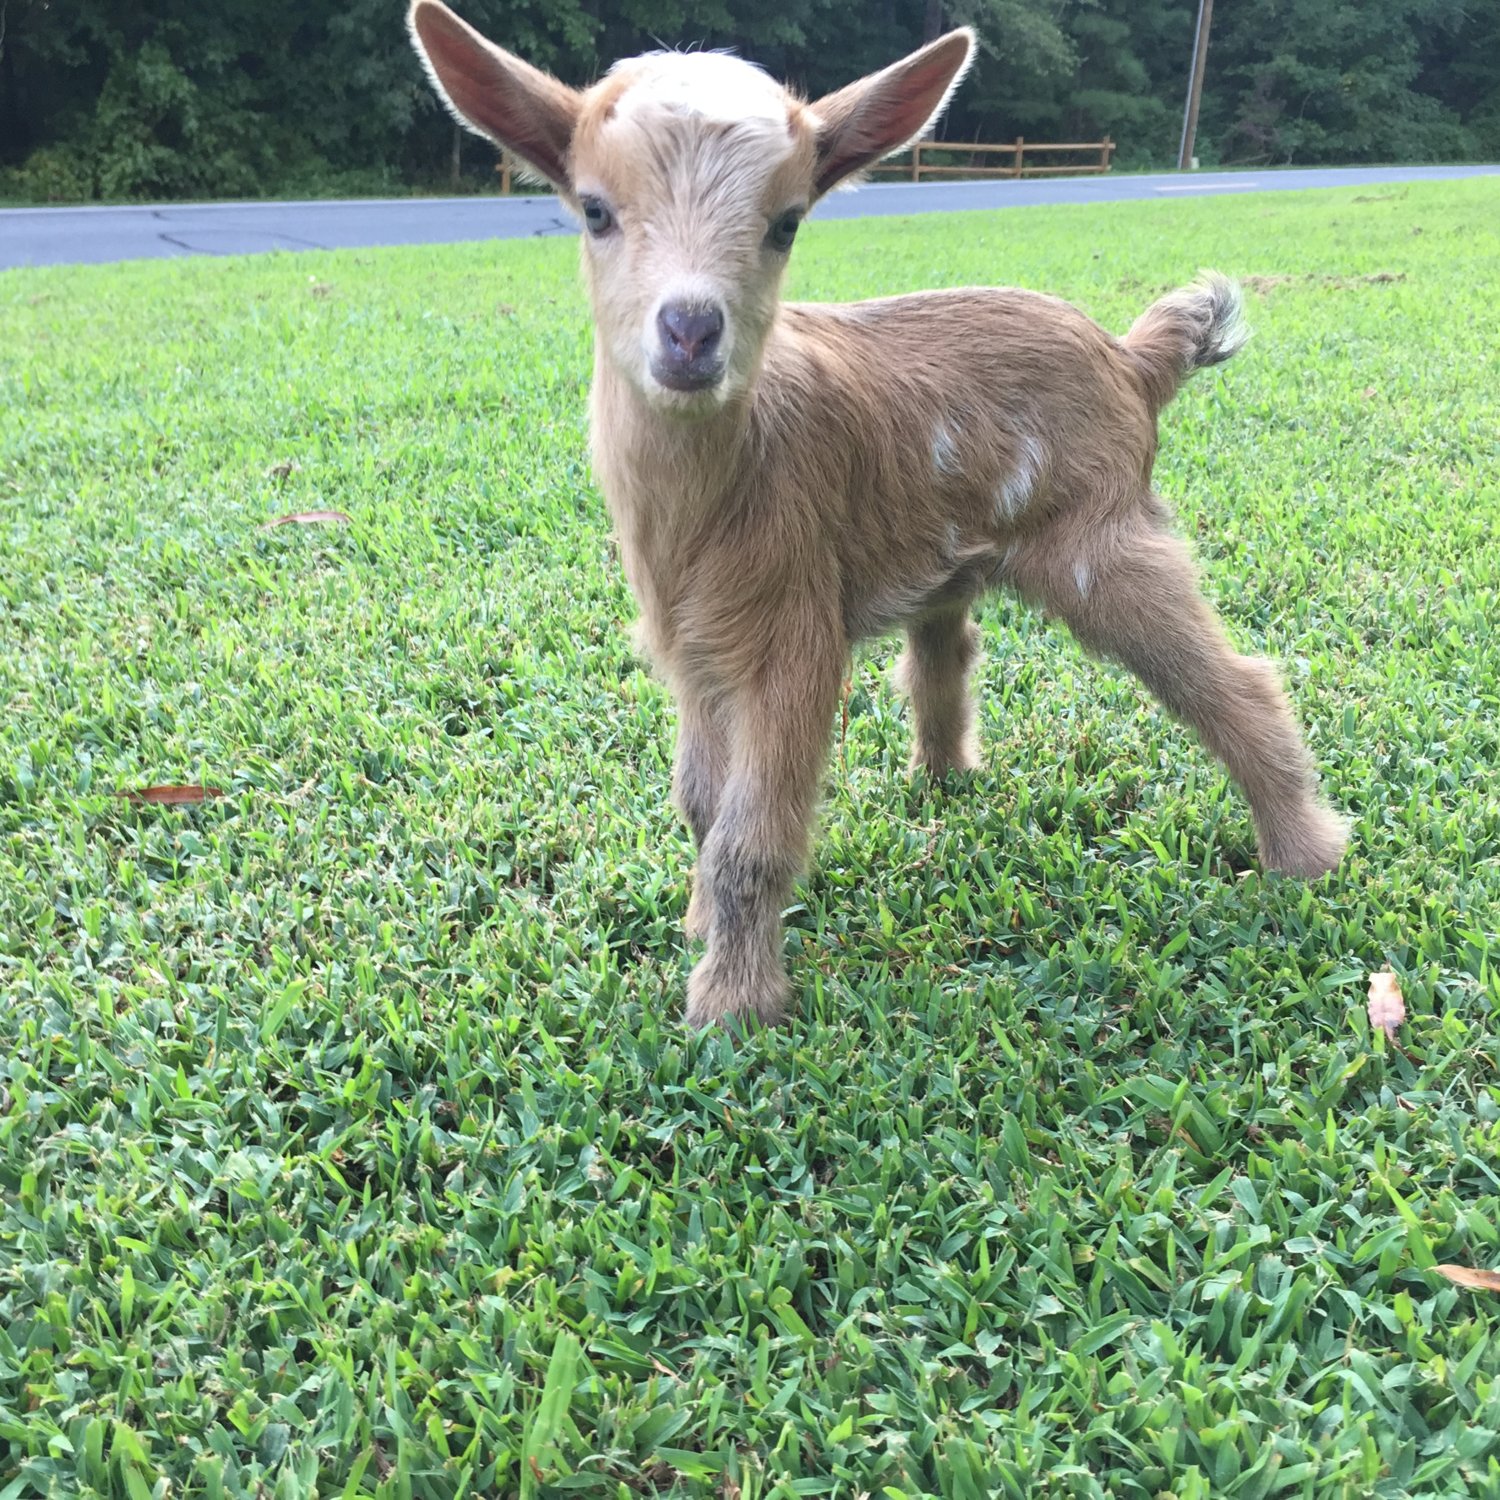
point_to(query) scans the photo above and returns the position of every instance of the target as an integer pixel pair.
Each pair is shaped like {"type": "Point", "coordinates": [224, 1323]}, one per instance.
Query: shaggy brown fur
{"type": "Point", "coordinates": [839, 472]}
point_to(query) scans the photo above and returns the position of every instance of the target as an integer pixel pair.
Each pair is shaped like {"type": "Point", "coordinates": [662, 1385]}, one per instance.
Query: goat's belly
{"type": "Point", "coordinates": [898, 603]}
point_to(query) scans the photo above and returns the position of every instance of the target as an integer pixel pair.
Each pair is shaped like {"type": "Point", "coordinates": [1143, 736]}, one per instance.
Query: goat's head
{"type": "Point", "coordinates": [691, 172]}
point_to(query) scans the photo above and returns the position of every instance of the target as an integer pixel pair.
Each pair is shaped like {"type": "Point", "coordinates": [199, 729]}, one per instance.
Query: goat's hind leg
{"type": "Point", "coordinates": [933, 671]}
{"type": "Point", "coordinates": [1130, 593]}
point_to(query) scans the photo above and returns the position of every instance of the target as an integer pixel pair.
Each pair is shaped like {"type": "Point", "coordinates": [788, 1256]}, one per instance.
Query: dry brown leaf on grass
{"type": "Point", "coordinates": [172, 795]}
{"type": "Point", "coordinates": [283, 470]}
{"type": "Point", "coordinates": [1475, 1279]}
{"type": "Point", "coordinates": [309, 518]}
{"type": "Point", "coordinates": [1387, 1008]}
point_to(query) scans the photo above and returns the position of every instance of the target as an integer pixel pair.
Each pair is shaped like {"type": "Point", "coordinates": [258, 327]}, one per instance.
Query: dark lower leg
{"type": "Point", "coordinates": [757, 844]}
{"type": "Point", "coordinates": [745, 879]}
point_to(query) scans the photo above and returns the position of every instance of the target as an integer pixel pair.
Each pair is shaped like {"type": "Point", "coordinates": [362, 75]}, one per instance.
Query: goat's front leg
{"type": "Point", "coordinates": [758, 841]}
{"type": "Point", "coordinates": [698, 784]}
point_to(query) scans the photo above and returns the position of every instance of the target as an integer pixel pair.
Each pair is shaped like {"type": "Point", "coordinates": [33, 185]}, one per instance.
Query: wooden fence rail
{"type": "Point", "coordinates": [914, 171]}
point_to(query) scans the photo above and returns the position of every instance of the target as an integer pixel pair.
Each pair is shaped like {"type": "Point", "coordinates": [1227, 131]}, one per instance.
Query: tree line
{"type": "Point", "coordinates": [177, 98]}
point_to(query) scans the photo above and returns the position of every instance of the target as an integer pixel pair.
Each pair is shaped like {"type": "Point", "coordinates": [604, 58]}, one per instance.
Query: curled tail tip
{"type": "Point", "coordinates": [1225, 331]}
{"type": "Point", "coordinates": [1196, 326]}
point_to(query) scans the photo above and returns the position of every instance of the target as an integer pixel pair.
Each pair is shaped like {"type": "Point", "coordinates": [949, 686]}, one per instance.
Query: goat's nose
{"type": "Point", "coordinates": [689, 332]}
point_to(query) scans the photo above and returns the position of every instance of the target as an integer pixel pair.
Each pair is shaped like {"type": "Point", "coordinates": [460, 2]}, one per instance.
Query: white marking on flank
{"type": "Point", "coordinates": [1083, 578]}
{"type": "Point", "coordinates": [1016, 488]}
{"type": "Point", "coordinates": [944, 451]}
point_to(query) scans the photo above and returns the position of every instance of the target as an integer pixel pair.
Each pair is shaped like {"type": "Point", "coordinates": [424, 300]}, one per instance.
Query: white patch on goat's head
{"type": "Point", "coordinates": [1018, 486]}
{"type": "Point", "coordinates": [699, 162]}
{"type": "Point", "coordinates": [716, 85]}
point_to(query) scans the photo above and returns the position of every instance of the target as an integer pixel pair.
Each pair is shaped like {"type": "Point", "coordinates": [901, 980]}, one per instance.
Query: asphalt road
{"type": "Point", "coordinates": [61, 236]}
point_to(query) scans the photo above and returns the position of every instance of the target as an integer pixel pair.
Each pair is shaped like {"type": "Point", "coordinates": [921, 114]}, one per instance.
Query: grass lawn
{"type": "Point", "coordinates": [350, 1142]}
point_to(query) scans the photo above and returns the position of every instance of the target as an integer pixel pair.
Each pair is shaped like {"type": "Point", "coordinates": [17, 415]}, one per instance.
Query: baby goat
{"type": "Point", "coordinates": [786, 479]}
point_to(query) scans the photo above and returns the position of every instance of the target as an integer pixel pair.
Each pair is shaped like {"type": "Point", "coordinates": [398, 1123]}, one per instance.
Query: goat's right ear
{"type": "Point", "coordinates": [495, 93]}
{"type": "Point", "coordinates": [880, 114]}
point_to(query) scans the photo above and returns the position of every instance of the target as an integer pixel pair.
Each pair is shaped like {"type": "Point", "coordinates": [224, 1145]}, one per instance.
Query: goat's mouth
{"type": "Point", "coordinates": [686, 378]}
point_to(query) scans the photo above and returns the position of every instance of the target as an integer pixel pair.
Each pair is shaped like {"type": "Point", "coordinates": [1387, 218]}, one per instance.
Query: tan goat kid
{"type": "Point", "coordinates": [786, 480]}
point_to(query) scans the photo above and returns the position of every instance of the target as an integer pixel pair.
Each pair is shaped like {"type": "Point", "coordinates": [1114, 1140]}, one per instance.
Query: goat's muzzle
{"type": "Point", "coordinates": [688, 356]}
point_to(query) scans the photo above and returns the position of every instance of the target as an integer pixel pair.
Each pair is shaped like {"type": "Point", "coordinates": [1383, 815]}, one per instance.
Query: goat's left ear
{"type": "Point", "coordinates": [888, 110]}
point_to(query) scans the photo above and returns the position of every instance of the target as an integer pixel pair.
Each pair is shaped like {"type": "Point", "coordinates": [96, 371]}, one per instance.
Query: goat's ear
{"type": "Point", "coordinates": [494, 92]}
{"type": "Point", "coordinates": [890, 109]}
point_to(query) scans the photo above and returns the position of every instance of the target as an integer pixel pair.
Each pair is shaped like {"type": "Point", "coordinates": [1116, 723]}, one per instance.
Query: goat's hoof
{"type": "Point", "coordinates": [938, 765]}
{"type": "Point", "coordinates": [1312, 848]}
{"type": "Point", "coordinates": [712, 1002]}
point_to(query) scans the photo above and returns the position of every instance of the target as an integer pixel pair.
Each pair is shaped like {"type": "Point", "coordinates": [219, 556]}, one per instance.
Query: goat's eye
{"type": "Point", "coordinates": [784, 230]}
{"type": "Point", "coordinates": [596, 215]}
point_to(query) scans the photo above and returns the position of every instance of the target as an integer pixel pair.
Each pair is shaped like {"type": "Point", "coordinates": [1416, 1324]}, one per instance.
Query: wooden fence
{"type": "Point", "coordinates": [915, 171]}
{"type": "Point", "coordinates": [1018, 150]}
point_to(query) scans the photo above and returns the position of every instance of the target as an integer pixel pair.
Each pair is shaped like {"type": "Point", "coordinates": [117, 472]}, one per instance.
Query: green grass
{"type": "Point", "coordinates": [350, 1142]}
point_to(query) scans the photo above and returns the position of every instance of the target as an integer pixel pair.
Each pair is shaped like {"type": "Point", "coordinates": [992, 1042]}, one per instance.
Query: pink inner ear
{"type": "Point", "coordinates": [514, 104]}
{"type": "Point", "coordinates": [468, 71]}
{"type": "Point", "coordinates": [877, 116]}
{"type": "Point", "coordinates": [915, 96]}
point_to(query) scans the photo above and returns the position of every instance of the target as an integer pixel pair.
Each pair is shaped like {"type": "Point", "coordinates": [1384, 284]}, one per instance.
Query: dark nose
{"type": "Point", "coordinates": [689, 334]}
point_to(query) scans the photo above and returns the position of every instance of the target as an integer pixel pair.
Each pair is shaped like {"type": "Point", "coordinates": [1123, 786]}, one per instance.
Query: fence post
{"type": "Point", "coordinates": [1105, 151]}
{"type": "Point", "coordinates": [1020, 154]}
{"type": "Point", "coordinates": [916, 162]}
{"type": "Point", "coordinates": [505, 171]}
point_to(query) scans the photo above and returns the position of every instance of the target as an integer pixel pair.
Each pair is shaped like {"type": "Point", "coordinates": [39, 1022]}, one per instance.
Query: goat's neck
{"type": "Point", "coordinates": [679, 468]}
{"type": "Point", "coordinates": [663, 478]}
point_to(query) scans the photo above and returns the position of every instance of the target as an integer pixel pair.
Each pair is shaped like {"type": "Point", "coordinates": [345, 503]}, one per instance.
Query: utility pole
{"type": "Point", "coordinates": [1195, 84]}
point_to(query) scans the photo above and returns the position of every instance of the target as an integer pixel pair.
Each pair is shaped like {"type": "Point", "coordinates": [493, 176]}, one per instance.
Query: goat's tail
{"type": "Point", "coordinates": [1197, 325]}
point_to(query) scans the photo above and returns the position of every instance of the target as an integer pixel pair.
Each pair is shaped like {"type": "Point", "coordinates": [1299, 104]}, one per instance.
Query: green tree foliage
{"type": "Point", "coordinates": [1133, 58]}
{"type": "Point", "coordinates": [1310, 80]}
{"type": "Point", "coordinates": [174, 98]}
{"type": "Point", "coordinates": [1461, 67]}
